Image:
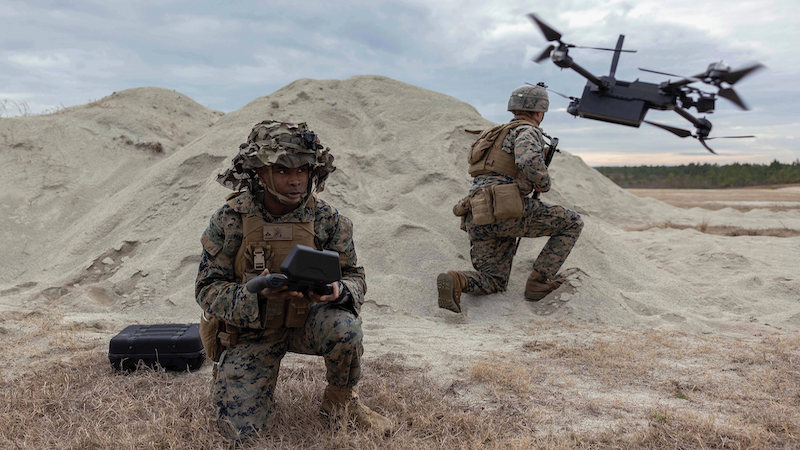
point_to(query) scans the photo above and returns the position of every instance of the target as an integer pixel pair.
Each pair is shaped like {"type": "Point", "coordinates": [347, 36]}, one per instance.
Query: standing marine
{"type": "Point", "coordinates": [277, 174]}
{"type": "Point", "coordinates": [508, 163]}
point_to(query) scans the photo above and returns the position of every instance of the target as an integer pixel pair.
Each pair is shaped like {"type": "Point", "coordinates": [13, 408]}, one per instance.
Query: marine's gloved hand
{"type": "Point", "coordinates": [281, 293]}
{"type": "Point", "coordinates": [316, 298]}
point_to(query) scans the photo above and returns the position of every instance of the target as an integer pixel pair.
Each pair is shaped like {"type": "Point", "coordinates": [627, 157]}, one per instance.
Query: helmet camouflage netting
{"type": "Point", "coordinates": [284, 143]}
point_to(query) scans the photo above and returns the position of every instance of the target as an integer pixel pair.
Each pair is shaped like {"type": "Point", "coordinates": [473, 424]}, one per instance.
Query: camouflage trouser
{"type": "Point", "coordinates": [248, 372]}
{"type": "Point", "coordinates": [493, 246]}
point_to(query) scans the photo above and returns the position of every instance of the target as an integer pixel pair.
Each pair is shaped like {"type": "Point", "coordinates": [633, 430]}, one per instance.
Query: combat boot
{"type": "Point", "coordinates": [538, 286]}
{"type": "Point", "coordinates": [450, 285]}
{"type": "Point", "coordinates": [344, 399]}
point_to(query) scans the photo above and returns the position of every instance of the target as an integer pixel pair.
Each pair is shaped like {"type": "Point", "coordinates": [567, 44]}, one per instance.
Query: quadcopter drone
{"type": "Point", "coordinates": [610, 100]}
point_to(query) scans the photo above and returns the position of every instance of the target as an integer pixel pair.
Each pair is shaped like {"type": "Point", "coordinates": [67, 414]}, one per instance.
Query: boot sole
{"type": "Point", "coordinates": [535, 296]}
{"type": "Point", "coordinates": [444, 283]}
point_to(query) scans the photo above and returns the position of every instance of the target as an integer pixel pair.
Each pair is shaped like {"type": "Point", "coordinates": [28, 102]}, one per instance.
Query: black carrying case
{"type": "Point", "coordinates": [172, 346]}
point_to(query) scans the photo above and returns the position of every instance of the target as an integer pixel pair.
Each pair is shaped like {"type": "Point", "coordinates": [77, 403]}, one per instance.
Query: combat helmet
{"type": "Point", "coordinates": [288, 144]}
{"type": "Point", "coordinates": [530, 98]}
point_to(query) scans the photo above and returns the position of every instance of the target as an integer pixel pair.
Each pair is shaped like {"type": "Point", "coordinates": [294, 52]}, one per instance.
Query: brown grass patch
{"type": "Point", "coordinates": [593, 388]}
{"type": "Point", "coordinates": [101, 103]}
{"type": "Point", "coordinates": [723, 230]}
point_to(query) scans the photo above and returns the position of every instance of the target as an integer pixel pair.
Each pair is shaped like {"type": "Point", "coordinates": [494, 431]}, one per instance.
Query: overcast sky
{"type": "Point", "coordinates": [65, 53]}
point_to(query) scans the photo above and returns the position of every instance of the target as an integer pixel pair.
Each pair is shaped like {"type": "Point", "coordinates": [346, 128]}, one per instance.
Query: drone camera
{"type": "Point", "coordinates": [705, 104]}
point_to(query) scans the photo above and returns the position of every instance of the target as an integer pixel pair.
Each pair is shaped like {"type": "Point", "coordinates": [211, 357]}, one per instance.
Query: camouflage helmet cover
{"type": "Point", "coordinates": [531, 98]}
{"type": "Point", "coordinates": [284, 143]}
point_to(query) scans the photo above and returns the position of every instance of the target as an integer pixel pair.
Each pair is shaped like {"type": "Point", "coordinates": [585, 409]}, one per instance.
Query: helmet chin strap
{"type": "Point", "coordinates": [530, 116]}
{"type": "Point", "coordinates": [282, 198]}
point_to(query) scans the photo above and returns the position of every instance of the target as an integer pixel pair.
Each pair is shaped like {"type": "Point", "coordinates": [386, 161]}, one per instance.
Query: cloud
{"type": "Point", "coordinates": [476, 51]}
{"type": "Point", "coordinates": [35, 61]}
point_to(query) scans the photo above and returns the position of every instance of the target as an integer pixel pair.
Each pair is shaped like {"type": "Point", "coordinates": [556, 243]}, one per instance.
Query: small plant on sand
{"type": "Point", "coordinates": [102, 103]}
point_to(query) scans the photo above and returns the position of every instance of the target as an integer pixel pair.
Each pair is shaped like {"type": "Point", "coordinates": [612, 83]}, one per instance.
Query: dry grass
{"type": "Point", "coordinates": [596, 389]}
{"type": "Point", "coordinates": [101, 103]}
{"type": "Point", "coordinates": [724, 230]}
{"type": "Point", "coordinates": [21, 107]}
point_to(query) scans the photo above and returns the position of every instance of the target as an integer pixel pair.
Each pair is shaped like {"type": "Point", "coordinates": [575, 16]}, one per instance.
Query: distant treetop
{"type": "Point", "coordinates": [704, 176]}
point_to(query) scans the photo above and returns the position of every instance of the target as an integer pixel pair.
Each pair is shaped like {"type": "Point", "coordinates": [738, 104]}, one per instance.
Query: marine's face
{"type": "Point", "coordinates": [291, 182]}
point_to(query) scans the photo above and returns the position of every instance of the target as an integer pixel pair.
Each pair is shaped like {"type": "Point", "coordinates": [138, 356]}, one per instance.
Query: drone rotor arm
{"type": "Point", "coordinates": [588, 75]}
{"type": "Point", "coordinates": [695, 121]}
{"type": "Point", "coordinates": [669, 86]}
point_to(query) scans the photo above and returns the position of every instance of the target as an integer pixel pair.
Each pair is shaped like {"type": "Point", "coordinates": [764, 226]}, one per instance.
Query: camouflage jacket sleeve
{"type": "Point", "coordinates": [216, 289]}
{"type": "Point", "coordinates": [529, 156]}
{"type": "Point", "coordinates": [335, 233]}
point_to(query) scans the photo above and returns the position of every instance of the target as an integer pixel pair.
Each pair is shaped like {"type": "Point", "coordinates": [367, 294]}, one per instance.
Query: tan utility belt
{"type": "Point", "coordinates": [491, 204]}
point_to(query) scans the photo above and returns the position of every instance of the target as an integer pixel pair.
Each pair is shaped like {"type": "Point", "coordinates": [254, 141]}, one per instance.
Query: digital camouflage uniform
{"type": "Point", "coordinates": [247, 373]}
{"type": "Point", "coordinates": [492, 247]}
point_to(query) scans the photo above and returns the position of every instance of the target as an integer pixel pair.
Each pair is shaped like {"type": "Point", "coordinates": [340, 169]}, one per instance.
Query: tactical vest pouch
{"type": "Point", "coordinates": [462, 207]}
{"type": "Point", "coordinates": [297, 312]}
{"type": "Point", "coordinates": [481, 202]}
{"type": "Point", "coordinates": [487, 155]}
{"type": "Point", "coordinates": [272, 313]}
{"type": "Point", "coordinates": [507, 202]}
{"type": "Point", "coordinates": [484, 142]}
{"type": "Point", "coordinates": [209, 327]}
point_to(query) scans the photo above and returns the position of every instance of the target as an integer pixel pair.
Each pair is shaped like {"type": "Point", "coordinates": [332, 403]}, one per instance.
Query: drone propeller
{"type": "Point", "coordinates": [716, 74]}
{"type": "Point", "coordinates": [545, 54]}
{"type": "Point", "coordinates": [732, 77]}
{"type": "Point", "coordinates": [549, 33]}
{"type": "Point", "coordinates": [730, 94]}
{"type": "Point", "coordinates": [602, 48]}
{"type": "Point", "coordinates": [552, 35]}
{"type": "Point", "coordinates": [568, 97]}
{"type": "Point", "coordinates": [550, 90]}
{"type": "Point", "coordinates": [680, 132]}
{"type": "Point", "coordinates": [670, 74]}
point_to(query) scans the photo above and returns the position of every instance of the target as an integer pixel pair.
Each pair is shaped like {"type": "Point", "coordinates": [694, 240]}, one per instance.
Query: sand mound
{"type": "Point", "coordinates": [120, 240]}
{"type": "Point", "coordinates": [55, 170]}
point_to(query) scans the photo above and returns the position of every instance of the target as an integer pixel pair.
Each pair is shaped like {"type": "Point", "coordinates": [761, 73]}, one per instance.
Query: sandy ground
{"type": "Point", "coordinates": [772, 198]}
{"type": "Point", "coordinates": [105, 233]}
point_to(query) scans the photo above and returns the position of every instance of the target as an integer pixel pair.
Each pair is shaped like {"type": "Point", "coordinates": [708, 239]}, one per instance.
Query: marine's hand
{"type": "Point", "coordinates": [280, 293]}
{"type": "Point", "coordinates": [316, 298]}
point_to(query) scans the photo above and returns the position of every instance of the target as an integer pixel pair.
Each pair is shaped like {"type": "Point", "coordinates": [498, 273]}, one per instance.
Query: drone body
{"type": "Point", "coordinates": [623, 103]}
{"type": "Point", "coordinates": [626, 103]}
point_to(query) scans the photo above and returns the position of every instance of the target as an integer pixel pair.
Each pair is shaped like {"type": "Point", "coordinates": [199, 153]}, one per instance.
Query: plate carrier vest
{"type": "Point", "coordinates": [487, 154]}
{"type": "Point", "coordinates": [264, 246]}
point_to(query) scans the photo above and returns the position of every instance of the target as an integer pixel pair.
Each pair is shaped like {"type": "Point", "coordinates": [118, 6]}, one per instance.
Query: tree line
{"type": "Point", "coordinates": [704, 176]}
